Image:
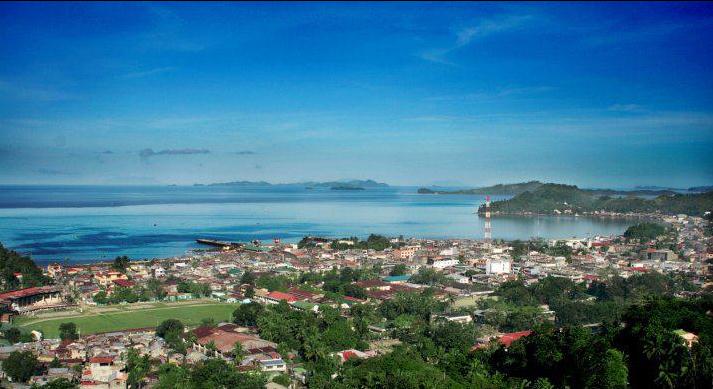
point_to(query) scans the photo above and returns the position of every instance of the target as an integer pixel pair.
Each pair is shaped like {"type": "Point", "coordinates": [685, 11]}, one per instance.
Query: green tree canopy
{"type": "Point", "coordinates": [20, 365]}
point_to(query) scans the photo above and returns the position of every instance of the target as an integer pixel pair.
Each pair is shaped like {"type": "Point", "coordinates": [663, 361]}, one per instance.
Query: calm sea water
{"type": "Point", "coordinates": [89, 223]}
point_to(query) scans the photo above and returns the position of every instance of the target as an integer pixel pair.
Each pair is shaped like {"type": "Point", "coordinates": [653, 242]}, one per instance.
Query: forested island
{"type": "Point", "coordinates": [551, 199]}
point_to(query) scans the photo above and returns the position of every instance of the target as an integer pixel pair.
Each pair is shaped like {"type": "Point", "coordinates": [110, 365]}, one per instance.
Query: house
{"type": "Point", "coordinates": [123, 283]}
{"type": "Point", "coordinates": [456, 318]}
{"type": "Point", "coordinates": [107, 278]}
{"type": "Point", "coordinates": [660, 255]}
{"type": "Point", "coordinates": [352, 353]}
{"type": "Point", "coordinates": [275, 297]}
{"type": "Point", "coordinates": [224, 338]}
{"type": "Point", "coordinates": [374, 284]}
{"type": "Point", "coordinates": [498, 266]}
{"type": "Point", "coordinates": [104, 373]}
{"type": "Point", "coordinates": [444, 263]}
{"type": "Point", "coordinates": [504, 340]}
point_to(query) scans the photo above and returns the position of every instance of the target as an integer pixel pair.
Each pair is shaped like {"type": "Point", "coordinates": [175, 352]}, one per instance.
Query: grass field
{"type": "Point", "coordinates": [89, 323]}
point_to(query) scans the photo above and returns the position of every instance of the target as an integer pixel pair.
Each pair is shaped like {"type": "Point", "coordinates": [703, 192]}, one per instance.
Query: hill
{"type": "Point", "coordinates": [558, 198]}
{"type": "Point", "coordinates": [500, 189]}
{"type": "Point", "coordinates": [11, 263]}
{"type": "Point", "coordinates": [515, 189]}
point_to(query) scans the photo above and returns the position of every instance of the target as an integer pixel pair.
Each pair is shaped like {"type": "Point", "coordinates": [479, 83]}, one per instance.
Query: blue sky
{"type": "Point", "coordinates": [597, 95]}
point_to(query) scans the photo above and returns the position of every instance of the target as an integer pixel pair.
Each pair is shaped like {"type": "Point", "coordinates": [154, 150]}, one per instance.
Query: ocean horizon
{"type": "Point", "coordinates": [88, 223]}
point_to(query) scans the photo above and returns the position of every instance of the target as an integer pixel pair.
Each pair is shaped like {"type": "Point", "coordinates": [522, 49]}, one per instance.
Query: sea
{"type": "Point", "coordinates": [80, 224]}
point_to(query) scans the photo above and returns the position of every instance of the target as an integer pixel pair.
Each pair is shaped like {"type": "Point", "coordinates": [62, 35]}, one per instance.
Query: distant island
{"type": "Point", "coordinates": [343, 185]}
{"type": "Point", "coordinates": [518, 188]}
{"type": "Point", "coordinates": [552, 199]}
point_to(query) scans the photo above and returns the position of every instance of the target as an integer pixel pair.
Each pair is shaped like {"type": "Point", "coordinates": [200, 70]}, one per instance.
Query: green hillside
{"type": "Point", "coordinates": [550, 198]}
{"type": "Point", "coordinates": [500, 189]}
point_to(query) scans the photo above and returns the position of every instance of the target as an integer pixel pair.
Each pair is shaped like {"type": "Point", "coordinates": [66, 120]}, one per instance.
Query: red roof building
{"type": "Point", "coordinates": [276, 295]}
{"type": "Point", "coordinates": [124, 283]}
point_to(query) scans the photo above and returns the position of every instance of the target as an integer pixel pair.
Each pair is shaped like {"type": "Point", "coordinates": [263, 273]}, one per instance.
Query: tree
{"type": "Point", "coordinates": [402, 368]}
{"type": "Point", "coordinates": [55, 363]}
{"type": "Point", "coordinates": [250, 292]}
{"type": "Point", "coordinates": [12, 335]}
{"type": "Point", "coordinates": [68, 331]}
{"type": "Point", "coordinates": [138, 367]}
{"type": "Point", "coordinates": [216, 373]}
{"type": "Point", "coordinates": [247, 314]}
{"type": "Point", "coordinates": [121, 263]}
{"type": "Point", "coordinates": [208, 322]}
{"type": "Point", "coordinates": [20, 365]}
{"type": "Point", "coordinates": [100, 297]}
{"type": "Point", "coordinates": [11, 263]}
{"type": "Point", "coordinates": [609, 372]}
{"type": "Point", "coordinates": [398, 270]}
{"type": "Point", "coordinates": [644, 231]}
{"type": "Point", "coordinates": [169, 326]}
{"type": "Point", "coordinates": [172, 376]}
{"type": "Point", "coordinates": [155, 289]}
{"type": "Point", "coordinates": [238, 353]}
{"type": "Point", "coordinates": [282, 379]}
{"type": "Point", "coordinates": [59, 383]}
{"type": "Point", "coordinates": [428, 276]}
{"type": "Point", "coordinates": [248, 278]}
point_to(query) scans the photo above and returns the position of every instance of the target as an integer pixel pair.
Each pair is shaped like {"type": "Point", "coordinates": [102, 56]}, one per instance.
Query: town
{"type": "Point", "coordinates": [119, 324]}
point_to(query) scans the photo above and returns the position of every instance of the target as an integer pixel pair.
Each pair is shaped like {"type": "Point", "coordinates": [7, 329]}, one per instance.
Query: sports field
{"type": "Point", "coordinates": [148, 316]}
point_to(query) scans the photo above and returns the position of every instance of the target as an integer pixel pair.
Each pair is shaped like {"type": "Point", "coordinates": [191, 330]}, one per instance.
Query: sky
{"type": "Point", "coordinates": [597, 95]}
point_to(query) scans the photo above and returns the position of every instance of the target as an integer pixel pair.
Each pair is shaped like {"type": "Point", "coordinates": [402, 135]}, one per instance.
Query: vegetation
{"type": "Point", "coordinates": [68, 331]}
{"type": "Point", "coordinates": [398, 270]}
{"type": "Point", "coordinates": [211, 373]}
{"type": "Point", "coordinates": [12, 335]}
{"type": "Point", "coordinates": [12, 263]}
{"type": "Point", "coordinates": [644, 231]}
{"type": "Point", "coordinates": [194, 288]}
{"type": "Point", "coordinates": [59, 383]}
{"type": "Point", "coordinates": [500, 189]}
{"type": "Point", "coordinates": [20, 365]}
{"type": "Point", "coordinates": [247, 314]}
{"type": "Point", "coordinates": [428, 276]}
{"type": "Point", "coordinates": [373, 242]}
{"type": "Point", "coordinates": [549, 198]}
{"type": "Point", "coordinates": [121, 263]}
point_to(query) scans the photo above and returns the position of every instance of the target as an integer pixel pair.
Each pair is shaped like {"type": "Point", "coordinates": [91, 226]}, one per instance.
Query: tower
{"type": "Point", "coordinates": [488, 228]}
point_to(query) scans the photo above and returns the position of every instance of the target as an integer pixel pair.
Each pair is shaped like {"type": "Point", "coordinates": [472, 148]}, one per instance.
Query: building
{"type": "Point", "coordinates": [661, 255]}
{"type": "Point", "coordinates": [30, 299]}
{"type": "Point", "coordinates": [407, 252]}
{"type": "Point", "coordinates": [498, 266]}
{"type": "Point", "coordinates": [444, 263]}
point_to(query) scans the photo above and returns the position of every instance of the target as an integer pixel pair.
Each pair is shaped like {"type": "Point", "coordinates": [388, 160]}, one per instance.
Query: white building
{"type": "Point", "coordinates": [498, 266]}
{"type": "Point", "coordinates": [444, 263]}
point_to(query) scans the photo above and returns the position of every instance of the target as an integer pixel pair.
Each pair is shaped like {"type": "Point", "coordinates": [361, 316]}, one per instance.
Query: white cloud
{"type": "Point", "coordinates": [150, 72]}
{"type": "Point", "coordinates": [467, 35]}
